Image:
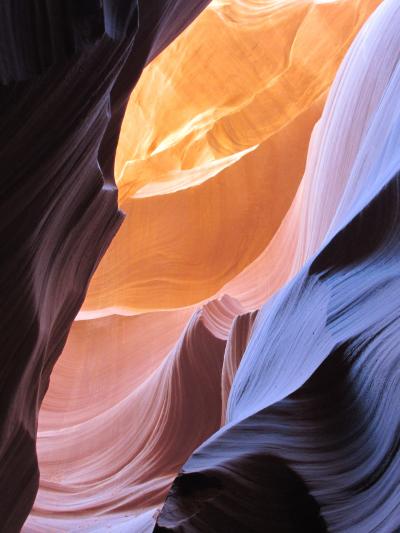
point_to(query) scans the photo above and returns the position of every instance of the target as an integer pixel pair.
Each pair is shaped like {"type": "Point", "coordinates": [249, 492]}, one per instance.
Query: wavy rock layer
{"type": "Point", "coordinates": [312, 415]}
{"type": "Point", "coordinates": [150, 415]}
{"type": "Point", "coordinates": [207, 170]}
{"type": "Point", "coordinates": [66, 72]}
{"type": "Point", "coordinates": [218, 213]}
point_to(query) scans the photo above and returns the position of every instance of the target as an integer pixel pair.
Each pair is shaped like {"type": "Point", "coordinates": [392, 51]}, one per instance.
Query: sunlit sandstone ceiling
{"type": "Point", "coordinates": [214, 141]}
{"type": "Point", "coordinates": [238, 339]}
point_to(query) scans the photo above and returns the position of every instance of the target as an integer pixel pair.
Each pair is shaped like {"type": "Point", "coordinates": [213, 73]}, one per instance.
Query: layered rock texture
{"type": "Point", "coordinates": [66, 72]}
{"type": "Point", "coordinates": [233, 366]}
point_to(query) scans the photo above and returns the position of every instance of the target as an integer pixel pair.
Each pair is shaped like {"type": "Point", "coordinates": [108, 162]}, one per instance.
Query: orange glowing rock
{"type": "Point", "coordinates": [211, 154]}
{"type": "Point", "coordinates": [213, 147]}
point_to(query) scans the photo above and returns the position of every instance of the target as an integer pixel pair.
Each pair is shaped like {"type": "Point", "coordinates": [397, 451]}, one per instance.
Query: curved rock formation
{"type": "Point", "coordinates": [314, 401]}
{"type": "Point", "coordinates": [183, 395]}
{"type": "Point", "coordinates": [236, 352]}
{"type": "Point", "coordinates": [207, 171]}
{"type": "Point", "coordinates": [66, 71]}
